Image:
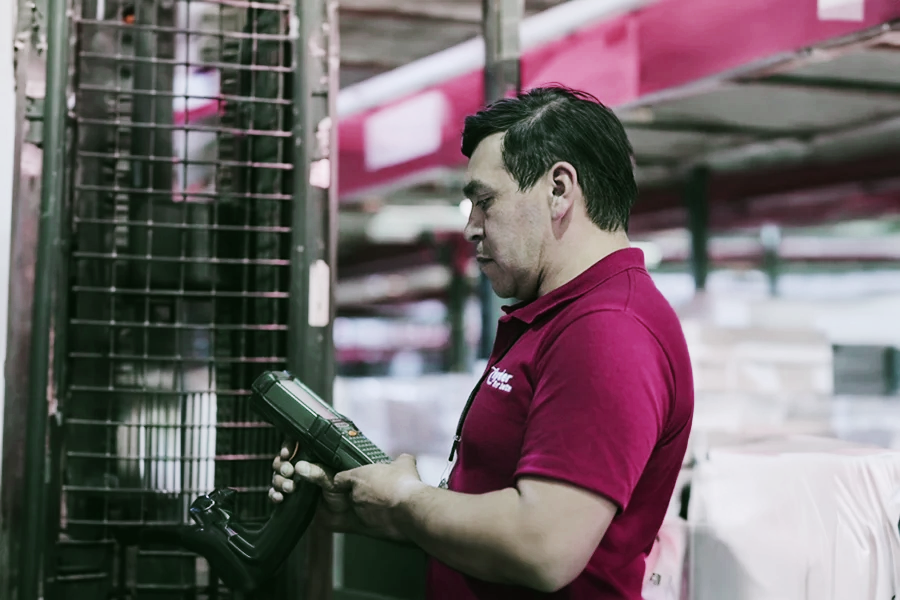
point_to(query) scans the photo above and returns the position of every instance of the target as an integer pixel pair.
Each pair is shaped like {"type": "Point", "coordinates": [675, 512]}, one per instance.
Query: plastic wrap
{"type": "Point", "coordinates": [795, 518]}
{"type": "Point", "coordinates": [663, 578]}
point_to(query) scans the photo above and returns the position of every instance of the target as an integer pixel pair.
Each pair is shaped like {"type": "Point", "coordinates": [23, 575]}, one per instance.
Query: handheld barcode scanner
{"type": "Point", "coordinates": [328, 435]}
{"type": "Point", "coordinates": [243, 556]}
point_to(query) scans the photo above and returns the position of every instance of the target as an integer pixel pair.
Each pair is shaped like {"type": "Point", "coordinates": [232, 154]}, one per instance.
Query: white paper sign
{"type": "Point", "coordinates": [842, 10]}
{"type": "Point", "coordinates": [320, 174]}
{"type": "Point", "coordinates": [319, 294]}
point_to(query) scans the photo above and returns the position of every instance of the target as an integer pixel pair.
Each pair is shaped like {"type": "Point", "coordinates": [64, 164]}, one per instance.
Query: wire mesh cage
{"type": "Point", "coordinates": [179, 214]}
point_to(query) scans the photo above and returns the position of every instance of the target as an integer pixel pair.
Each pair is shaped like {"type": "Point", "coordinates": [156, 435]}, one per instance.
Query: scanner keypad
{"type": "Point", "coordinates": [366, 446]}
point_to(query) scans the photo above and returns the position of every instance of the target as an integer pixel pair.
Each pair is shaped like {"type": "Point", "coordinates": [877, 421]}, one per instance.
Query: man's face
{"type": "Point", "coordinates": [506, 225]}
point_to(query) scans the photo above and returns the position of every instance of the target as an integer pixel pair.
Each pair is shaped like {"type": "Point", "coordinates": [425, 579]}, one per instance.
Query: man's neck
{"type": "Point", "coordinates": [573, 258]}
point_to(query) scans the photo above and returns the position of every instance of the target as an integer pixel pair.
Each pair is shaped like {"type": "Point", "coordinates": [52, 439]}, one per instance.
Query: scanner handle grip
{"type": "Point", "coordinates": [244, 556]}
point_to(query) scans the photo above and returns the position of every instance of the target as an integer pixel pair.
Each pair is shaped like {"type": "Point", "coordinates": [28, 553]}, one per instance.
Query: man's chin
{"type": "Point", "coordinates": [500, 292]}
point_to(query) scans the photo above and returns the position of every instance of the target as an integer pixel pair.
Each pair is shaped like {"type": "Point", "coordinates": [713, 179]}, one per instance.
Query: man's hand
{"type": "Point", "coordinates": [539, 535]}
{"type": "Point", "coordinates": [334, 509]}
{"type": "Point", "coordinates": [286, 473]}
{"type": "Point", "coordinates": [337, 510]}
{"type": "Point", "coordinates": [376, 491]}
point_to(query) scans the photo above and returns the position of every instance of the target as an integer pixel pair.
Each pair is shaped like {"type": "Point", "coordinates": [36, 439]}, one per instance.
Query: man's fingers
{"type": "Point", "coordinates": [282, 482]}
{"type": "Point", "coordinates": [283, 467]}
{"type": "Point", "coordinates": [286, 469]}
{"type": "Point", "coordinates": [341, 482]}
{"type": "Point", "coordinates": [314, 473]}
{"type": "Point", "coordinates": [283, 485]}
{"type": "Point", "coordinates": [289, 449]}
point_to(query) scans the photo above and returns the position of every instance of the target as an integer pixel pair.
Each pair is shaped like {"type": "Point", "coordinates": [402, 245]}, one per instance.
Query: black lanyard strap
{"type": "Point", "coordinates": [462, 418]}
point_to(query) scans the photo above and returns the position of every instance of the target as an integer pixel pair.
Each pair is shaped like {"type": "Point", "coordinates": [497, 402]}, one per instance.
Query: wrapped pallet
{"type": "Point", "coordinates": [795, 518]}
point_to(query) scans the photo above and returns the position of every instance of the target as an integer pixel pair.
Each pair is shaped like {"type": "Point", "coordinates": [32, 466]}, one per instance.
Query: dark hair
{"type": "Point", "coordinates": [550, 124]}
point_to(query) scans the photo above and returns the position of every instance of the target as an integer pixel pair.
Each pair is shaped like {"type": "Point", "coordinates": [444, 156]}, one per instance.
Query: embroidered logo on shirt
{"type": "Point", "coordinates": [499, 380]}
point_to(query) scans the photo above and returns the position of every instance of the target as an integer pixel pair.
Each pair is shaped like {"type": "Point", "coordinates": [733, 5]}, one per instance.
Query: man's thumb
{"type": "Point", "coordinates": [406, 459]}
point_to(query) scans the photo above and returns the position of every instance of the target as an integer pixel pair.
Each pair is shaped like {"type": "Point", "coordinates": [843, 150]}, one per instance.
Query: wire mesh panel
{"type": "Point", "coordinates": [180, 213]}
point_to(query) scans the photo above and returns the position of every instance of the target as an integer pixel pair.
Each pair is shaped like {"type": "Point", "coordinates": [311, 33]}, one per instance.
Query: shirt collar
{"type": "Point", "coordinates": [603, 269]}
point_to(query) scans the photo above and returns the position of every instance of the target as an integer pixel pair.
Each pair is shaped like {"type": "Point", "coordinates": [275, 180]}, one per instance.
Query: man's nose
{"type": "Point", "coordinates": [474, 230]}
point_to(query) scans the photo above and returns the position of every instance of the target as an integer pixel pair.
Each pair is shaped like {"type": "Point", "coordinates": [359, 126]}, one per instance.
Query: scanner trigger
{"type": "Point", "coordinates": [213, 509]}
{"type": "Point", "coordinates": [224, 497]}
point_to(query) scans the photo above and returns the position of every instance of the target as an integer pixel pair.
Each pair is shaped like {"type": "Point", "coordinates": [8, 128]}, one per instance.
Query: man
{"type": "Point", "coordinates": [572, 444]}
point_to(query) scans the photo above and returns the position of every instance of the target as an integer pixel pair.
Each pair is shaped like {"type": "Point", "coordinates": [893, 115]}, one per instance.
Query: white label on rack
{"type": "Point", "coordinates": [319, 294]}
{"type": "Point", "coordinates": [841, 10]}
{"type": "Point", "coordinates": [320, 174]}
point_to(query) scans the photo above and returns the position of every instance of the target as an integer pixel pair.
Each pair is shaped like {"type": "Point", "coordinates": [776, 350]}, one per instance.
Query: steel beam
{"type": "Point", "coordinates": [863, 89]}
{"type": "Point", "coordinates": [502, 77]}
{"type": "Point", "coordinates": [383, 258]}
{"type": "Point", "coordinates": [705, 128]}
{"type": "Point", "coordinates": [457, 257]}
{"type": "Point", "coordinates": [776, 63]}
{"type": "Point", "coordinates": [368, 63]}
{"type": "Point", "coordinates": [770, 239]}
{"type": "Point", "coordinates": [314, 245]}
{"type": "Point", "coordinates": [773, 199]}
{"type": "Point", "coordinates": [646, 161]}
{"type": "Point", "coordinates": [696, 197]}
{"type": "Point", "coordinates": [502, 47]}
{"type": "Point", "coordinates": [445, 12]}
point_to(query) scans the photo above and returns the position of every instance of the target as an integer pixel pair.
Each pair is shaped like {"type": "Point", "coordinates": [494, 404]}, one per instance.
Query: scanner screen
{"type": "Point", "coordinates": [319, 408]}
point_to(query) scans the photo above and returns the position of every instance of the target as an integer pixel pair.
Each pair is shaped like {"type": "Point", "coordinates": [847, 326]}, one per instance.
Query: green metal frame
{"type": "Point", "coordinates": [314, 242]}
{"type": "Point", "coordinates": [46, 273]}
{"type": "Point", "coordinates": [314, 249]}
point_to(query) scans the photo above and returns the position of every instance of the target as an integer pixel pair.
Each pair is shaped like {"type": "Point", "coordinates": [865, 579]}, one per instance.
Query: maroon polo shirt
{"type": "Point", "coordinates": [591, 385]}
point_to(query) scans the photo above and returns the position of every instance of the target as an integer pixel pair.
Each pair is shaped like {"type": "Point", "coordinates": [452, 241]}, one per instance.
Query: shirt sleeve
{"type": "Point", "coordinates": [601, 400]}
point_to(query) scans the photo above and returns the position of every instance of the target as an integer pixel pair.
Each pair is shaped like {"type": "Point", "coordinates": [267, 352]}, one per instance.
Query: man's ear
{"type": "Point", "coordinates": [563, 186]}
